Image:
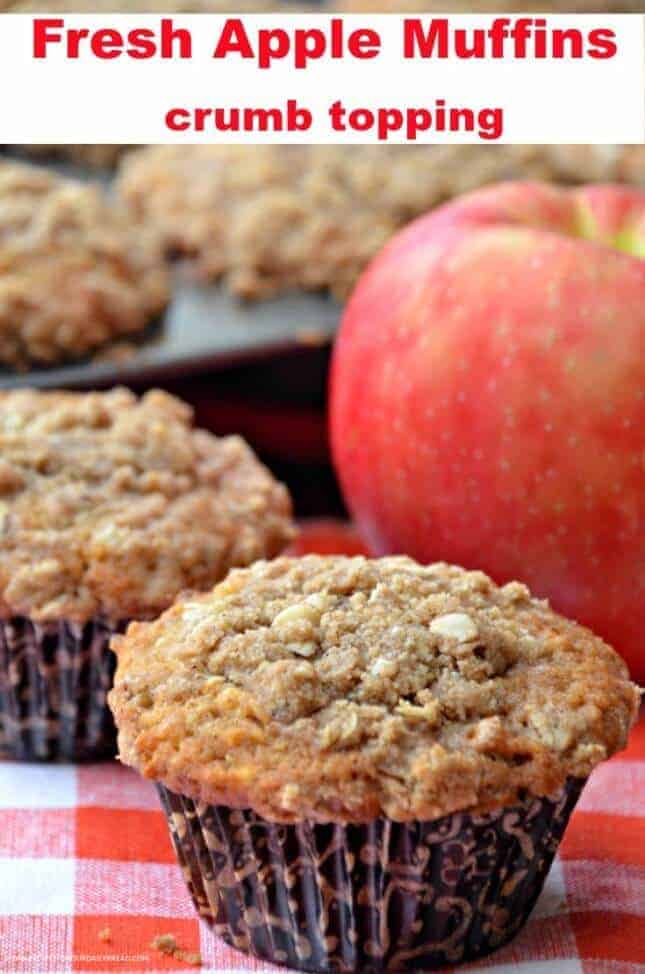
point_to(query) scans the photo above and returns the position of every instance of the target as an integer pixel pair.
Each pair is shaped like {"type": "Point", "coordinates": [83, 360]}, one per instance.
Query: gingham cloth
{"type": "Point", "coordinates": [83, 849]}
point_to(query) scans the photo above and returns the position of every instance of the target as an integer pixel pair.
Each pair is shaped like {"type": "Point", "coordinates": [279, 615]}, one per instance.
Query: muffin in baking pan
{"type": "Point", "coordinates": [93, 156]}
{"type": "Point", "coordinates": [314, 6]}
{"type": "Point", "coordinates": [272, 218]}
{"type": "Point", "coordinates": [143, 6]}
{"type": "Point", "coordinates": [110, 506]}
{"type": "Point", "coordinates": [486, 6]}
{"type": "Point", "coordinates": [366, 765]}
{"type": "Point", "coordinates": [269, 218]}
{"type": "Point", "coordinates": [74, 272]}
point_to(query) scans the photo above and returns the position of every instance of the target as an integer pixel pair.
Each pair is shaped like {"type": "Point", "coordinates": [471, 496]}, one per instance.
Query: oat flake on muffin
{"type": "Point", "coordinates": [74, 272]}
{"type": "Point", "coordinates": [342, 689]}
{"type": "Point", "coordinates": [112, 505]}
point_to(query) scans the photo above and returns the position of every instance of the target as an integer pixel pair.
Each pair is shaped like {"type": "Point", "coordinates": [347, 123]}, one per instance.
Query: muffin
{"type": "Point", "coordinates": [599, 163]}
{"type": "Point", "coordinates": [74, 272]}
{"type": "Point", "coordinates": [366, 765]}
{"type": "Point", "coordinates": [486, 6]}
{"type": "Point", "coordinates": [272, 218]}
{"type": "Point", "coordinates": [150, 6]}
{"type": "Point", "coordinates": [109, 508]}
{"type": "Point", "coordinates": [93, 156]}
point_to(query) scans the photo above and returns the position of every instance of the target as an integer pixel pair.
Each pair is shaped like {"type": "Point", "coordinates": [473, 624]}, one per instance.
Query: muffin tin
{"type": "Point", "coordinates": [203, 328]}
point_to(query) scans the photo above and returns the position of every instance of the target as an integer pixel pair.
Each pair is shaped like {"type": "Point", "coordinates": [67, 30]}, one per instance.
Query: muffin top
{"type": "Point", "coordinates": [342, 689]}
{"type": "Point", "coordinates": [74, 272]}
{"type": "Point", "coordinates": [111, 506]}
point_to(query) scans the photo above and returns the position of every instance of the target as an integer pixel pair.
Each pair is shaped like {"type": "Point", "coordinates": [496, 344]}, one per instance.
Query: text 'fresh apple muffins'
{"type": "Point", "coordinates": [110, 506]}
{"type": "Point", "coordinates": [74, 272]}
{"type": "Point", "coordinates": [366, 765]}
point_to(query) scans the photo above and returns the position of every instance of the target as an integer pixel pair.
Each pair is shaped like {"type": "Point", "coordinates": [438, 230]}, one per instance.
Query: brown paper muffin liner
{"type": "Point", "coordinates": [54, 681]}
{"type": "Point", "coordinates": [385, 896]}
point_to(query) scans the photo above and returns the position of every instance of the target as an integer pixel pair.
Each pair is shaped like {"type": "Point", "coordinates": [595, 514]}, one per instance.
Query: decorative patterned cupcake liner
{"type": "Point", "coordinates": [385, 896]}
{"type": "Point", "coordinates": [54, 681]}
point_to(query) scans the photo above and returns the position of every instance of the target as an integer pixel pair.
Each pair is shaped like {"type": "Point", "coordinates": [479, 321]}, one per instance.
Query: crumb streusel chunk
{"type": "Point", "coordinates": [74, 272]}
{"type": "Point", "coordinates": [110, 506]}
{"type": "Point", "coordinates": [335, 688]}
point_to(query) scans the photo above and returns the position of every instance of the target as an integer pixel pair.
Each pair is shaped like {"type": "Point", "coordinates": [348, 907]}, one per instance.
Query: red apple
{"type": "Point", "coordinates": [488, 397]}
{"type": "Point", "coordinates": [327, 536]}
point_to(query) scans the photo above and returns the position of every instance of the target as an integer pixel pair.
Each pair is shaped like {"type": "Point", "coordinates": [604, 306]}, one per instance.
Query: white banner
{"type": "Point", "coordinates": [318, 78]}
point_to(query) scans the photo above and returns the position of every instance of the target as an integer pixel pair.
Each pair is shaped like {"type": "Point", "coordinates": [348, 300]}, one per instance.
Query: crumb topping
{"type": "Point", "coordinates": [165, 943]}
{"type": "Point", "coordinates": [335, 688]}
{"type": "Point", "coordinates": [112, 505]}
{"type": "Point", "coordinates": [74, 272]}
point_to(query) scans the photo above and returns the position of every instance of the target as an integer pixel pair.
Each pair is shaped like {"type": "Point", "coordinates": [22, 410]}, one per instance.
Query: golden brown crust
{"type": "Point", "coordinates": [334, 688]}
{"type": "Point", "coordinates": [112, 506]}
{"type": "Point", "coordinates": [74, 272]}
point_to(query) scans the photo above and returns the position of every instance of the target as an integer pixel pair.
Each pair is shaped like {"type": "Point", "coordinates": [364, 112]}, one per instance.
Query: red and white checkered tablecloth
{"type": "Point", "coordinates": [85, 849]}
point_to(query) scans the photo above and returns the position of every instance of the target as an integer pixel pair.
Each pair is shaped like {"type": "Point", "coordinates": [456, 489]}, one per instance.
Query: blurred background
{"type": "Point", "coordinates": [262, 245]}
